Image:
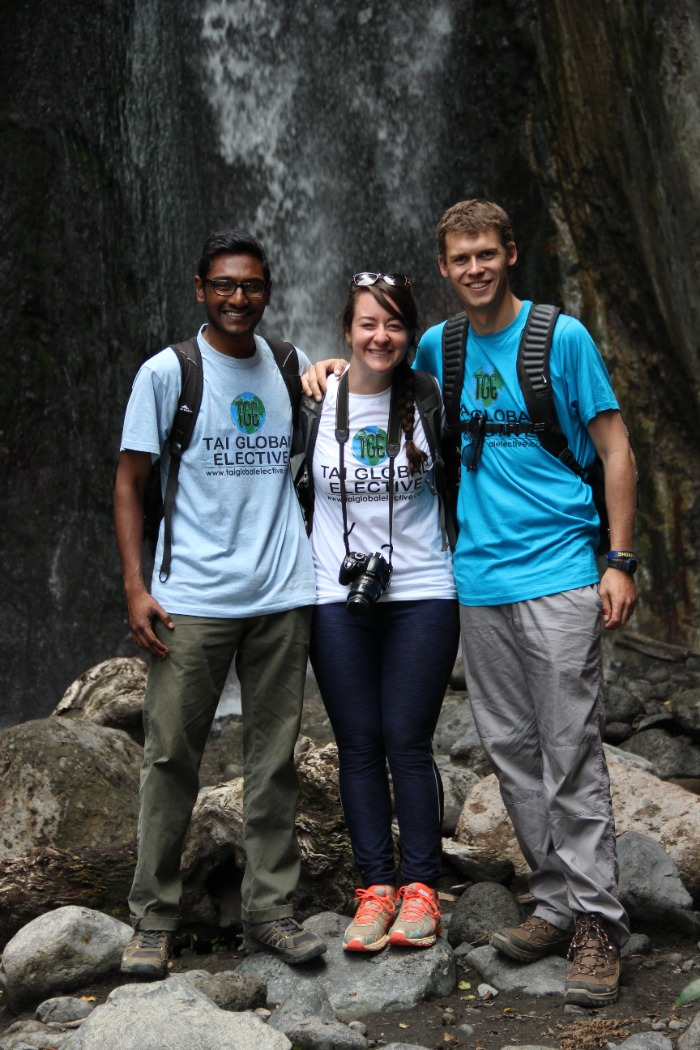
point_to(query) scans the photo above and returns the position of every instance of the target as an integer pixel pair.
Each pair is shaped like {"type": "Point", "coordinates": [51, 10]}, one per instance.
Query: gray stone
{"type": "Point", "coordinates": [685, 708]}
{"type": "Point", "coordinates": [467, 751]}
{"type": "Point", "coordinates": [315, 1034]}
{"type": "Point", "coordinates": [616, 732]}
{"type": "Point", "coordinates": [59, 951]}
{"type": "Point", "coordinates": [66, 783]}
{"type": "Point", "coordinates": [638, 944]}
{"type": "Point", "coordinates": [63, 1008]}
{"type": "Point", "coordinates": [457, 781]}
{"type": "Point", "coordinates": [621, 705]}
{"type": "Point", "coordinates": [404, 1046]}
{"type": "Point", "coordinates": [233, 991]}
{"type": "Point", "coordinates": [673, 756]}
{"type": "Point", "coordinates": [172, 1014]}
{"type": "Point", "coordinates": [545, 977]}
{"type": "Point", "coordinates": [690, 1039]}
{"type": "Point", "coordinates": [358, 985]}
{"type": "Point", "coordinates": [481, 909]}
{"type": "Point", "coordinates": [310, 1000]}
{"type": "Point", "coordinates": [650, 886]}
{"type": "Point", "coordinates": [646, 1041]}
{"type": "Point", "coordinates": [32, 1035]}
{"type": "Point", "coordinates": [456, 721]}
{"type": "Point", "coordinates": [629, 759]}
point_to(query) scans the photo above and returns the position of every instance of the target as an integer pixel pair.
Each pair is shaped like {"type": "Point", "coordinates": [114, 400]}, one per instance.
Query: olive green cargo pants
{"type": "Point", "coordinates": [183, 691]}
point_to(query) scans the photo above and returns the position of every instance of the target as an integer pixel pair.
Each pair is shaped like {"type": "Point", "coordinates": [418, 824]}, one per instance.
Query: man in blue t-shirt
{"type": "Point", "coordinates": [531, 602]}
{"type": "Point", "coordinates": [241, 586]}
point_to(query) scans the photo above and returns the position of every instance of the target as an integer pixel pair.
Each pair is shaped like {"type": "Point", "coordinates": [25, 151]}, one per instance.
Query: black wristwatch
{"type": "Point", "coordinates": [625, 561]}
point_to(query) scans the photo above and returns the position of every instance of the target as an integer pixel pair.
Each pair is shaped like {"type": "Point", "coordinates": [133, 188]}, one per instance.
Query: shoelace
{"type": "Point", "coordinates": [415, 904]}
{"type": "Point", "coordinates": [590, 940]}
{"type": "Point", "coordinates": [152, 938]}
{"type": "Point", "coordinates": [287, 925]}
{"type": "Point", "coordinates": [370, 905]}
{"type": "Point", "coordinates": [535, 923]}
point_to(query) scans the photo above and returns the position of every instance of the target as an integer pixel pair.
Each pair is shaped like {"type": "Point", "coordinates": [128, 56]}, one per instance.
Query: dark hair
{"type": "Point", "coordinates": [402, 306]}
{"type": "Point", "coordinates": [473, 217]}
{"type": "Point", "coordinates": [231, 242]}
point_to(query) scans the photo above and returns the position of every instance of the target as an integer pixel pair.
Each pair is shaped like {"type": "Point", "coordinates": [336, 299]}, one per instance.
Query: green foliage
{"type": "Point", "coordinates": [690, 993]}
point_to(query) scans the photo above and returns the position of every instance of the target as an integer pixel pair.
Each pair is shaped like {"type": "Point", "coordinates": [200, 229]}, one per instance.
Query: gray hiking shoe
{"type": "Point", "coordinates": [285, 938]}
{"type": "Point", "coordinates": [594, 977]}
{"type": "Point", "coordinates": [147, 954]}
{"type": "Point", "coordinates": [531, 940]}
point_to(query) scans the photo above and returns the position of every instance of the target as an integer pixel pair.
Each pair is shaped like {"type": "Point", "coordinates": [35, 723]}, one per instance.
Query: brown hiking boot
{"type": "Point", "coordinates": [284, 938]}
{"type": "Point", "coordinates": [594, 976]}
{"type": "Point", "coordinates": [531, 940]}
{"type": "Point", "coordinates": [147, 954]}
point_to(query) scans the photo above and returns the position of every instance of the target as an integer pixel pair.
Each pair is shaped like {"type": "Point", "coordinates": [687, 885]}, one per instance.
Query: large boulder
{"type": "Point", "coordinates": [214, 857]}
{"type": "Point", "coordinates": [172, 1014]}
{"type": "Point", "coordinates": [381, 983]}
{"type": "Point", "coordinates": [66, 783]}
{"type": "Point", "coordinates": [59, 951]}
{"type": "Point", "coordinates": [111, 694]}
{"type": "Point", "coordinates": [641, 802]}
{"type": "Point", "coordinates": [672, 756]}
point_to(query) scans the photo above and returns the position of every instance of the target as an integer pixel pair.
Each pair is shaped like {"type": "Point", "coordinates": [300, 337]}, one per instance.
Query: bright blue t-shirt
{"type": "Point", "coordinates": [528, 526]}
{"type": "Point", "coordinates": [239, 546]}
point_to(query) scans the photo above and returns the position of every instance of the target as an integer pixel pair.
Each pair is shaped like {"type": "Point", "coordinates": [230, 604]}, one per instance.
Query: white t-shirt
{"type": "Point", "coordinates": [420, 568]}
{"type": "Point", "coordinates": [239, 547]}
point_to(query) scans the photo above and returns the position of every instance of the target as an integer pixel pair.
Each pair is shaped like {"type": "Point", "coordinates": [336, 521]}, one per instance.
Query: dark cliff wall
{"type": "Point", "coordinates": [339, 134]}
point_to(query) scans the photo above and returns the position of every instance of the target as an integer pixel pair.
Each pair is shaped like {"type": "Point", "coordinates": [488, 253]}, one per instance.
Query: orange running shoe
{"type": "Point", "coordinates": [419, 921]}
{"type": "Point", "coordinates": [375, 912]}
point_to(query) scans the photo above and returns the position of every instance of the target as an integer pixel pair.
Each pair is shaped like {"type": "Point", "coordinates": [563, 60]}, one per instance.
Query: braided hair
{"type": "Point", "coordinates": [399, 302]}
{"type": "Point", "coordinates": [403, 375]}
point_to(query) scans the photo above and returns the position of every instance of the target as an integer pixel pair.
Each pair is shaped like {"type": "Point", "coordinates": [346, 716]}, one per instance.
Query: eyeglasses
{"type": "Point", "coordinates": [397, 280]}
{"type": "Point", "coordinates": [471, 453]}
{"type": "Point", "coordinates": [226, 287]}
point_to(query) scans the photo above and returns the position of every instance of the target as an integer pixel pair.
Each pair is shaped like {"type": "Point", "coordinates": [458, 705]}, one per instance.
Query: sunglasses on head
{"type": "Point", "coordinates": [398, 280]}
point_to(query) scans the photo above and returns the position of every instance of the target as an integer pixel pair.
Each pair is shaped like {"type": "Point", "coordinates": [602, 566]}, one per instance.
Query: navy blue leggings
{"type": "Point", "coordinates": [383, 680]}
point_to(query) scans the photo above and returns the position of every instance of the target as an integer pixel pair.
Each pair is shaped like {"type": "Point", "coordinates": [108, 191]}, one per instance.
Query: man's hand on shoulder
{"type": "Point", "coordinates": [314, 381]}
{"type": "Point", "coordinates": [143, 610]}
{"type": "Point", "coordinates": [618, 596]}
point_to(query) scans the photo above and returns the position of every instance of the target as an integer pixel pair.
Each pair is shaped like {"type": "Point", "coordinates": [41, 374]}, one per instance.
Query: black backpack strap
{"type": "Point", "coordinates": [536, 383]}
{"type": "Point", "coordinates": [287, 359]}
{"type": "Point", "coordinates": [303, 477]}
{"type": "Point", "coordinates": [189, 403]}
{"type": "Point", "coordinates": [429, 403]}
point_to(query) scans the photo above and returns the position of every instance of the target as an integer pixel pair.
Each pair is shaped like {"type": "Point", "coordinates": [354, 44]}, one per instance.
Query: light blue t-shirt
{"type": "Point", "coordinates": [528, 526]}
{"type": "Point", "coordinates": [239, 547]}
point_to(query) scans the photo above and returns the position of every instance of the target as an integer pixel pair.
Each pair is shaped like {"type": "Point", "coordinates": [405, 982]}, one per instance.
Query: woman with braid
{"type": "Point", "coordinates": [385, 630]}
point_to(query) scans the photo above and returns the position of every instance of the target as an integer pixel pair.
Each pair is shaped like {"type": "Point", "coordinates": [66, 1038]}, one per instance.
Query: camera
{"type": "Point", "coordinates": [369, 576]}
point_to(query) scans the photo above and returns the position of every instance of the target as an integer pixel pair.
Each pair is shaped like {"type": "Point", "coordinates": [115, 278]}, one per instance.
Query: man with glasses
{"type": "Point", "coordinates": [531, 604]}
{"type": "Point", "coordinates": [240, 586]}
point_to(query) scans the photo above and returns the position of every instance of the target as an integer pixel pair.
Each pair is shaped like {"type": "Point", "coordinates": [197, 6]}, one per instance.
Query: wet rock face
{"type": "Point", "coordinates": [123, 149]}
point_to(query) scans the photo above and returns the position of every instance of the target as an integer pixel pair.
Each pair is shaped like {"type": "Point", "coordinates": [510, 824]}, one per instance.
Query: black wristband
{"type": "Point", "coordinates": [625, 561]}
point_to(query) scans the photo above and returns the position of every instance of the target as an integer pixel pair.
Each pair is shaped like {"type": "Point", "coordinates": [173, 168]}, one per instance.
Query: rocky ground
{"type": "Point", "coordinates": [470, 1017]}
{"type": "Point", "coordinates": [651, 983]}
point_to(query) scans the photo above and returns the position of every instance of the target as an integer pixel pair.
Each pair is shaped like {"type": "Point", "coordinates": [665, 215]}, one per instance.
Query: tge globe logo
{"type": "Point", "coordinates": [247, 413]}
{"type": "Point", "coordinates": [369, 446]}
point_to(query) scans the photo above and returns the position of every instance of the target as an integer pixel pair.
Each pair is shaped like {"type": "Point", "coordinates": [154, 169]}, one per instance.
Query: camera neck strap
{"type": "Point", "coordinates": [342, 433]}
